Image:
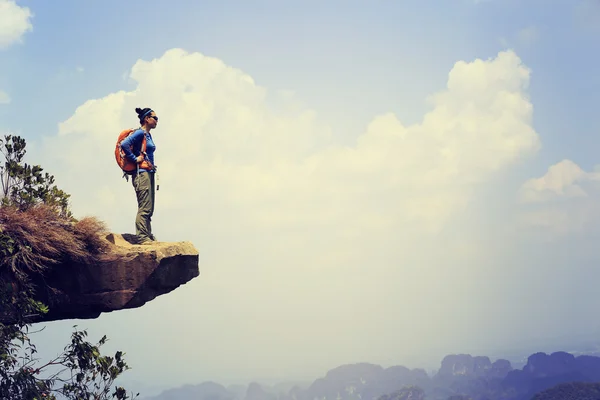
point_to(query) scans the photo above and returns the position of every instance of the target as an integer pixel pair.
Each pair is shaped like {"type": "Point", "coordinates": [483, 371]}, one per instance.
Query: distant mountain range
{"type": "Point", "coordinates": [460, 376]}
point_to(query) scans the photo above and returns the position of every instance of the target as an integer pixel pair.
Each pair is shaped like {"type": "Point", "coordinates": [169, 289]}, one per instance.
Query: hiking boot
{"type": "Point", "coordinates": [144, 240]}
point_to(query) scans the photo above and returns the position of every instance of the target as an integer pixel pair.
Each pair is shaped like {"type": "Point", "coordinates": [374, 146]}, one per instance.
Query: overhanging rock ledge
{"type": "Point", "coordinates": [141, 273]}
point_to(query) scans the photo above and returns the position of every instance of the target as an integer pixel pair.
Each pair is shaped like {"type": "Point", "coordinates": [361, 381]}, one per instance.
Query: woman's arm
{"type": "Point", "coordinates": [131, 141]}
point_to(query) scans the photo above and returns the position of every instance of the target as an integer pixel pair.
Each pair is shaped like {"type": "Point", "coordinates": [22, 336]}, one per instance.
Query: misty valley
{"type": "Point", "coordinates": [554, 376]}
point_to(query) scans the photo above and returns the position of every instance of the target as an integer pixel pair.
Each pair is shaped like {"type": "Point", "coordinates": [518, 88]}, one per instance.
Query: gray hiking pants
{"type": "Point", "coordinates": [143, 183]}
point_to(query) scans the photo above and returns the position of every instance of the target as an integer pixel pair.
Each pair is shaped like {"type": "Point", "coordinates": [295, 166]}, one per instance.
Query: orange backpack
{"type": "Point", "coordinates": [125, 164]}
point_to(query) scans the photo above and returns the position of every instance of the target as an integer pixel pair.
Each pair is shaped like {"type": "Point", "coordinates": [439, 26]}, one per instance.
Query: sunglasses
{"type": "Point", "coordinates": [154, 117]}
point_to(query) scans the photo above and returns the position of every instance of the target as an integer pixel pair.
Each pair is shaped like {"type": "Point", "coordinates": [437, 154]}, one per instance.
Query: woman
{"type": "Point", "coordinates": [143, 178]}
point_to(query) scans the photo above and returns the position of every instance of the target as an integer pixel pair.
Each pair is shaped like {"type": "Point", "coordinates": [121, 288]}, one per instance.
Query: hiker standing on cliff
{"type": "Point", "coordinates": [143, 178]}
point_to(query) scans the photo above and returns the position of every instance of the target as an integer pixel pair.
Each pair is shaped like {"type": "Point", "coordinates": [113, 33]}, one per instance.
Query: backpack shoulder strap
{"type": "Point", "coordinates": [144, 143]}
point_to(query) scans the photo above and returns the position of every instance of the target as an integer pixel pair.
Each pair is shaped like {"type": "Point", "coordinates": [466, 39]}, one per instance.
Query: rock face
{"type": "Point", "coordinates": [256, 392]}
{"type": "Point", "coordinates": [544, 371]}
{"type": "Point", "coordinates": [472, 376]}
{"type": "Point", "coordinates": [361, 381]}
{"type": "Point", "coordinates": [140, 274]}
{"type": "Point", "coordinates": [469, 366]}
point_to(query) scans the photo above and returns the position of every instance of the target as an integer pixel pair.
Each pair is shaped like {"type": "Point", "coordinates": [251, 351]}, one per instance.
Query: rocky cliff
{"type": "Point", "coordinates": [134, 276]}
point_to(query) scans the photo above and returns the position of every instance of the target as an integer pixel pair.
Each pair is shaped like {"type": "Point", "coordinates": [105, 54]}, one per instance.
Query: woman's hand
{"type": "Point", "coordinates": [139, 159]}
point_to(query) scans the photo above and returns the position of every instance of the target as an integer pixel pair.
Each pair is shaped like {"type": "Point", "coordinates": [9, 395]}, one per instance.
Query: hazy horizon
{"type": "Point", "coordinates": [388, 182]}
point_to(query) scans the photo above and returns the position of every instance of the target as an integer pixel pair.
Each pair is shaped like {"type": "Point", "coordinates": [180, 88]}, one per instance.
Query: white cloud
{"type": "Point", "coordinates": [216, 122]}
{"type": "Point", "coordinates": [14, 23]}
{"type": "Point", "coordinates": [561, 180]}
{"type": "Point", "coordinates": [4, 97]}
{"type": "Point", "coordinates": [564, 200]}
{"type": "Point", "coordinates": [280, 210]}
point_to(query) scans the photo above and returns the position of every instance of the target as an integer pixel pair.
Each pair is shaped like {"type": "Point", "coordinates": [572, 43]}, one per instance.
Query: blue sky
{"type": "Point", "coordinates": [297, 47]}
{"type": "Point", "coordinates": [342, 186]}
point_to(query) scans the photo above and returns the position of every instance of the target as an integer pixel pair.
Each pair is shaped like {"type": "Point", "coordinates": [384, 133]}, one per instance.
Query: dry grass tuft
{"type": "Point", "coordinates": [88, 231]}
{"type": "Point", "coordinates": [35, 239]}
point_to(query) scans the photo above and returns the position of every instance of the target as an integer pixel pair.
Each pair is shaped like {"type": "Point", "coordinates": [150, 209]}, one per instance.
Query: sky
{"type": "Point", "coordinates": [384, 181]}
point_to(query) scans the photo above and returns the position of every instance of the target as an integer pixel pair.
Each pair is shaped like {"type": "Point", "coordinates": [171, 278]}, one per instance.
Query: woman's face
{"type": "Point", "coordinates": [152, 120]}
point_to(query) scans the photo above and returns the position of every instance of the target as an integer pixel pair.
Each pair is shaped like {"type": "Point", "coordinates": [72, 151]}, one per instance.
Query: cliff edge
{"type": "Point", "coordinates": [135, 275]}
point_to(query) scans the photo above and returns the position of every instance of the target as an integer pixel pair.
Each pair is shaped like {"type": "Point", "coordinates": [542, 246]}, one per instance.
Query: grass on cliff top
{"type": "Point", "coordinates": [37, 238]}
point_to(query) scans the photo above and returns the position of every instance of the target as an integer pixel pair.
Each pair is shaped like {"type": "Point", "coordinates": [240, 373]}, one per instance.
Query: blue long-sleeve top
{"type": "Point", "coordinates": [135, 140]}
